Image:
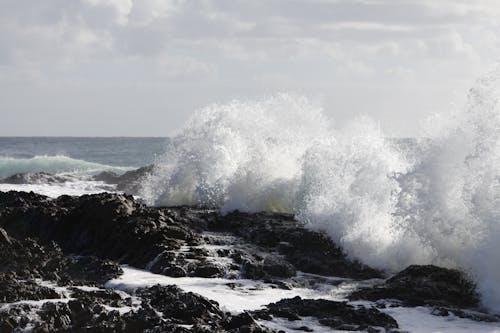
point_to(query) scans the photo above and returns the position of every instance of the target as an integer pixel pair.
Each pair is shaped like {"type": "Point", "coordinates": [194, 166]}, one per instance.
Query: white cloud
{"type": "Point", "coordinates": [240, 46]}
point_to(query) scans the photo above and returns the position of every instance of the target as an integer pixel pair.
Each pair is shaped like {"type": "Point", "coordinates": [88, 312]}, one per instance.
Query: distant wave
{"type": "Point", "coordinates": [388, 208]}
{"type": "Point", "coordinates": [52, 164]}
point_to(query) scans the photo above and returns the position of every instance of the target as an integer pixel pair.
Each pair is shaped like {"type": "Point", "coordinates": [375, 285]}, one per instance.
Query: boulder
{"type": "Point", "coordinates": [337, 315]}
{"type": "Point", "coordinates": [424, 285]}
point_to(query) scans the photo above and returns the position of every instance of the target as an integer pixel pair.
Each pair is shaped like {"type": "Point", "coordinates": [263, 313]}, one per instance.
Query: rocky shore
{"type": "Point", "coordinates": [58, 256]}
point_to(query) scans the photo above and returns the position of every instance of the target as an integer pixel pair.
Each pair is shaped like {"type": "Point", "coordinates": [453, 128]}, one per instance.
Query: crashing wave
{"type": "Point", "coordinates": [387, 203]}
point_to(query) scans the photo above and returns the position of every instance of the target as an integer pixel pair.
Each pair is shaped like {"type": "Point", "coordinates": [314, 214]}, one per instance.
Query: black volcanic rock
{"type": "Point", "coordinates": [117, 227]}
{"type": "Point", "coordinates": [130, 182]}
{"type": "Point", "coordinates": [28, 259]}
{"type": "Point", "coordinates": [75, 241]}
{"type": "Point", "coordinates": [162, 309]}
{"type": "Point", "coordinates": [186, 308]}
{"type": "Point", "coordinates": [14, 289]}
{"type": "Point", "coordinates": [424, 285]}
{"type": "Point", "coordinates": [108, 177]}
{"type": "Point", "coordinates": [106, 225]}
{"type": "Point", "coordinates": [337, 315]}
{"type": "Point", "coordinates": [36, 178]}
{"type": "Point", "coordinates": [305, 250]}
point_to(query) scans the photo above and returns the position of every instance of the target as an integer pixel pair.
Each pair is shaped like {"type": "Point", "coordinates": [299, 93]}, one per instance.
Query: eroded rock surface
{"type": "Point", "coordinates": [57, 254]}
{"type": "Point", "coordinates": [337, 315]}
{"type": "Point", "coordinates": [424, 285]}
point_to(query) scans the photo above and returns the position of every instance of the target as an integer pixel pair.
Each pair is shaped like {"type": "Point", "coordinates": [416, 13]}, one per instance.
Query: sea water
{"type": "Point", "coordinates": [77, 159]}
{"type": "Point", "coordinates": [388, 203]}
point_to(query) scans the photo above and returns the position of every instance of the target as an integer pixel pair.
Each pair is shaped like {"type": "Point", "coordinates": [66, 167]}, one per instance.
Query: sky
{"type": "Point", "coordinates": [142, 67]}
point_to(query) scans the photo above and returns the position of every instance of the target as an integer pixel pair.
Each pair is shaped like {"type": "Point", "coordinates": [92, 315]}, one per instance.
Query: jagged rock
{"type": "Point", "coordinates": [306, 250]}
{"type": "Point", "coordinates": [162, 309]}
{"type": "Point", "coordinates": [14, 289]}
{"type": "Point", "coordinates": [424, 285]}
{"type": "Point", "coordinates": [209, 270]}
{"type": "Point", "coordinates": [108, 177]}
{"type": "Point", "coordinates": [4, 238]}
{"type": "Point", "coordinates": [129, 182]}
{"type": "Point", "coordinates": [28, 259]}
{"type": "Point", "coordinates": [337, 315]}
{"type": "Point", "coordinates": [186, 308]}
{"type": "Point", "coordinates": [81, 240]}
{"type": "Point", "coordinates": [91, 268]}
{"type": "Point", "coordinates": [276, 266]}
{"type": "Point", "coordinates": [36, 178]}
{"type": "Point", "coordinates": [106, 225]}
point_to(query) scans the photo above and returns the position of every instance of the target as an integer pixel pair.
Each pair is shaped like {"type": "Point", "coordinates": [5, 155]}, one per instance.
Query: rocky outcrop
{"type": "Point", "coordinates": [424, 285]}
{"type": "Point", "coordinates": [162, 309]}
{"type": "Point", "coordinates": [29, 260]}
{"type": "Point", "coordinates": [337, 315]}
{"type": "Point", "coordinates": [49, 248]}
{"type": "Point", "coordinates": [32, 272]}
{"type": "Point", "coordinates": [130, 182]}
{"type": "Point", "coordinates": [13, 289]}
{"type": "Point", "coordinates": [307, 251]}
{"type": "Point", "coordinates": [106, 225]}
{"type": "Point", "coordinates": [36, 178]}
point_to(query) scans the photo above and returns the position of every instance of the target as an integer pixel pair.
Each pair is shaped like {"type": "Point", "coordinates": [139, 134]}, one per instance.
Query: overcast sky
{"type": "Point", "coordinates": [141, 67]}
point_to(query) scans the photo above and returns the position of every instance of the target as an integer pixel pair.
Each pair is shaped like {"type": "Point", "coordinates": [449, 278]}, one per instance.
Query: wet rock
{"type": "Point", "coordinates": [424, 285]}
{"type": "Point", "coordinates": [187, 308]}
{"type": "Point", "coordinates": [93, 269]}
{"type": "Point", "coordinates": [108, 177]}
{"type": "Point", "coordinates": [337, 315]}
{"type": "Point", "coordinates": [472, 315]}
{"type": "Point", "coordinates": [306, 250]}
{"type": "Point", "coordinates": [106, 225]}
{"type": "Point", "coordinates": [174, 271]}
{"type": "Point", "coordinates": [14, 289]}
{"type": "Point", "coordinates": [28, 259]}
{"type": "Point", "coordinates": [54, 317]}
{"type": "Point", "coordinates": [276, 266]}
{"type": "Point", "coordinates": [4, 238]}
{"type": "Point", "coordinates": [209, 270]}
{"type": "Point", "coordinates": [130, 182]}
{"type": "Point", "coordinates": [252, 269]}
{"type": "Point", "coordinates": [35, 178]}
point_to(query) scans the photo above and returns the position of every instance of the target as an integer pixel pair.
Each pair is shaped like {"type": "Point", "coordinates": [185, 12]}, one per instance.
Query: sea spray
{"type": "Point", "coordinates": [456, 206]}
{"type": "Point", "coordinates": [388, 203]}
{"type": "Point", "coordinates": [349, 189]}
{"type": "Point", "coordinates": [244, 155]}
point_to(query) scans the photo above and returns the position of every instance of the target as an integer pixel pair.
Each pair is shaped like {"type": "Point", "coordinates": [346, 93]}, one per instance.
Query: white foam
{"type": "Point", "coordinates": [246, 295]}
{"type": "Point", "coordinates": [253, 295]}
{"type": "Point", "coordinates": [77, 187]}
{"type": "Point", "coordinates": [420, 320]}
{"type": "Point", "coordinates": [386, 207]}
{"type": "Point", "coordinates": [281, 324]}
{"type": "Point", "coordinates": [52, 164]}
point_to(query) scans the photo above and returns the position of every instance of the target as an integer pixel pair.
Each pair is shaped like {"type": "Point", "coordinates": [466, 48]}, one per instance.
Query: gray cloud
{"type": "Point", "coordinates": [140, 67]}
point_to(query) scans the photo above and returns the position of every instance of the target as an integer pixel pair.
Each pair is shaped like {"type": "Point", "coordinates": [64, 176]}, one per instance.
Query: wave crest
{"type": "Point", "coordinates": [51, 164]}
{"type": "Point", "coordinates": [387, 203]}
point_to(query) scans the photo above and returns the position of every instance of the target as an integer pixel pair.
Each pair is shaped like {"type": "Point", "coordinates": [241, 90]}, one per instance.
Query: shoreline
{"type": "Point", "coordinates": [75, 247]}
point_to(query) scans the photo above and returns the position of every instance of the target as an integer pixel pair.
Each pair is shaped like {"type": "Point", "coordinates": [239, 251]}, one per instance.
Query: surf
{"type": "Point", "coordinates": [387, 203]}
{"type": "Point", "coordinates": [53, 164]}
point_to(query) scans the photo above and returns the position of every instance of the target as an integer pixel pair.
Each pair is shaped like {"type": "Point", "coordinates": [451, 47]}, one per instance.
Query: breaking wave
{"type": "Point", "coordinates": [388, 203]}
{"type": "Point", "coordinates": [51, 164]}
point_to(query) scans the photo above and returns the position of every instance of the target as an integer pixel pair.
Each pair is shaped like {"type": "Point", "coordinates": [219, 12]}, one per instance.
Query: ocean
{"type": "Point", "coordinates": [388, 203]}
{"type": "Point", "coordinates": [67, 154]}
{"type": "Point", "coordinates": [76, 158]}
